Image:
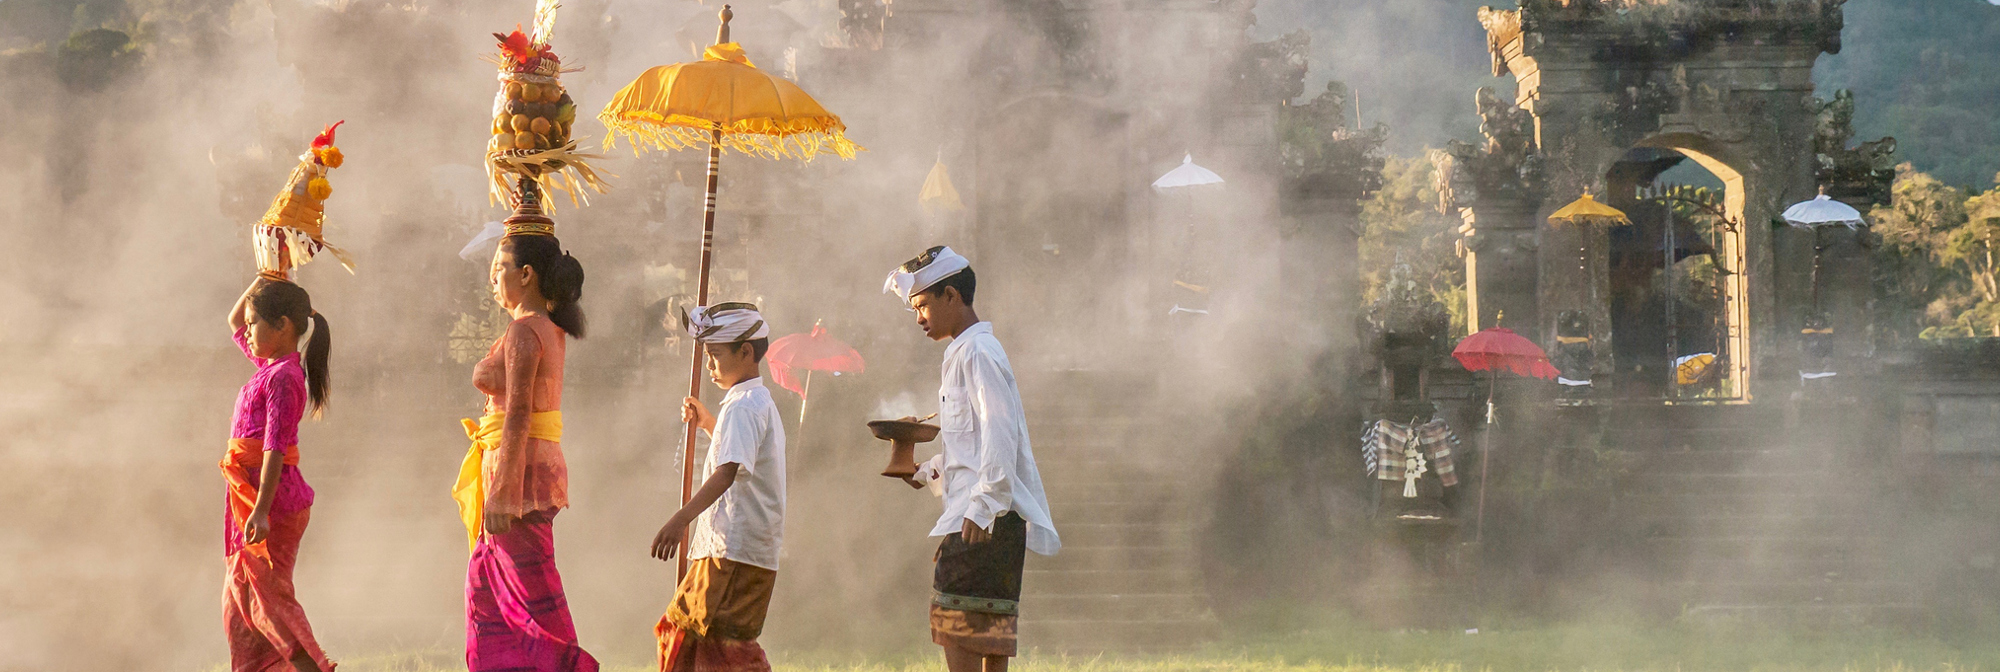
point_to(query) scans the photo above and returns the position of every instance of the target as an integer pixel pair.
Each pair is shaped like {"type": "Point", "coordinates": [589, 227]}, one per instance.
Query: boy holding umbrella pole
{"type": "Point", "coordinates": [738, 515]}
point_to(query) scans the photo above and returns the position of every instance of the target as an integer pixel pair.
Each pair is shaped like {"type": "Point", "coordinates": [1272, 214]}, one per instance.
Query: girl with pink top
{"type": "Point", "coordinates": [269, 502]}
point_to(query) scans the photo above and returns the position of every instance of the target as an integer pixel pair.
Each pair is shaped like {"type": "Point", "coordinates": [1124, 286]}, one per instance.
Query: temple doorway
{"type": "Point", "coordinates": [1676, 292]}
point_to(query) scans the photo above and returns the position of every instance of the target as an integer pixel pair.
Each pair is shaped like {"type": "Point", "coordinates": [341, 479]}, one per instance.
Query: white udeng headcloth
{"type": "Point", "coordinates": [726, 323]}
{"type": "Point", "coordinates": [920, 273]}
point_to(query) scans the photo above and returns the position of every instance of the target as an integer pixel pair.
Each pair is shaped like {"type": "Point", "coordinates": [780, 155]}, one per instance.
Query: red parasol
{"type": "Point", "coordinates": [816, 351]}
{"type": "Point", "coordinates": [1501, 348]}
{"type": "Point", "coordinates": [1492, 350]}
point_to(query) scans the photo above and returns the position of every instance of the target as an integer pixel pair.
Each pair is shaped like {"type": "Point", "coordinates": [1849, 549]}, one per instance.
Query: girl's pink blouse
{"type": "Point", "coordinates": [268, 409]}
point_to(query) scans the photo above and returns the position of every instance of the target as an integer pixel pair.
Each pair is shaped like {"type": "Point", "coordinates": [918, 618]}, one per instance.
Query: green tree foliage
{"type": "Point", "coordinates": [1401, 224]}
{"type": "Point", "coordinates": [1936, 270]}
{"type": "Point", "coordinates": [1923, 71]}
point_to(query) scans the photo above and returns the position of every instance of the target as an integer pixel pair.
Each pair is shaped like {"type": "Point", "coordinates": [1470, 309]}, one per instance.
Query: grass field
{"type": "Point", "coordinates": [1592, 648]}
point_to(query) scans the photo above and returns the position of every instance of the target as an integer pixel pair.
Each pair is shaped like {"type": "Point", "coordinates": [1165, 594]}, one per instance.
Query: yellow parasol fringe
{"type": "Point", "coordinates": [680, 106]}
{"type": "Point", "coordinates": [802, 139]}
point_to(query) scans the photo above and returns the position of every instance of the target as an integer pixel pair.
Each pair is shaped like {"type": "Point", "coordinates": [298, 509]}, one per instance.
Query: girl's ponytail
{"type": "Point", "coordinates": [283, 299]}
{"type": "Point", "coordinates": [318, 351]}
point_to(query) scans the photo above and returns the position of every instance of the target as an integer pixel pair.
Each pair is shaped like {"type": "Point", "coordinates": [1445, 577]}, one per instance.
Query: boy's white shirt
{"type": "Point", "coordinates": [988, 466]}
{"type": "Point", "coordinates": [747, 523]}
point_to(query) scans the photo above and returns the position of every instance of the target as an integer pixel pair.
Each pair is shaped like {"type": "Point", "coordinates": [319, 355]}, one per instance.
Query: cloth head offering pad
{"type": "Point", "coordinates": [528, 218]}
{"type": "Point", "coordinates": [291, 232]}
{"type": "Point", "coordinates": [732, 322]}
{"type": "Point", "coordinates": [917, 275]}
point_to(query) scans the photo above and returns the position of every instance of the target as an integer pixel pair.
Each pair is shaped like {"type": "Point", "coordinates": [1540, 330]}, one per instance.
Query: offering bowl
{"type": "Point", "coordinates": [903, 437]}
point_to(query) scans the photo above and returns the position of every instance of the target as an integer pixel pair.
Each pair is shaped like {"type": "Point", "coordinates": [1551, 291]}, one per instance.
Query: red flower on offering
{"type": "Point", "coordinates": [516, 46]}
{"type": "Point", "coordinates": [325, 138]}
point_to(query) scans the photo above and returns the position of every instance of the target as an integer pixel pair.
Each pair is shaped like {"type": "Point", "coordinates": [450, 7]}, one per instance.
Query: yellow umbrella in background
{"type": "Point", "coordinates": [720, 101]}
{"type": "Point", "coordinates": [1586, 210]}
{"type": "Point", "coordinates": [938, 196]}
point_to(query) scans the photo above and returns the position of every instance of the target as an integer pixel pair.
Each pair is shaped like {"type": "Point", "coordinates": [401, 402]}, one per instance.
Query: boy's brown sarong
{"type": "Point", "coordinates": [976, 591]}
{"type": "Point", "coordinates": [717, 614]}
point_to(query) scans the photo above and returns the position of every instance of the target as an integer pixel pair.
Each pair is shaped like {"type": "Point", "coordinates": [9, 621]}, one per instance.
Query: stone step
{"type": "Point", "coordinates": [1769, 524]}
{"type": "Point", "coordinates": [1109, 581]}
{"type": "Point", "coordinates": [1635, 438]}
{"type": "Point", "coordinates": [1659, 501]}
{"type": "Point", "coordinates": [1705, 460]}
{"type": "Point", "coordinates": [1118, 607]}
{"type": "Point", "coordinates": [1121, 535]}
{"type": "Point", "coordinates": [1055, 475]}
{"type": "Point", "coordinates": [1073, 512]}
{"type": "Point", "coordinates": [1142, 558]}
{"type": "Point", "coordinates": [1129, 492]}
{"type": "Point", "coordinates": [1744, 483]}
{"type": "Point", "coordinates": [1772, 549]}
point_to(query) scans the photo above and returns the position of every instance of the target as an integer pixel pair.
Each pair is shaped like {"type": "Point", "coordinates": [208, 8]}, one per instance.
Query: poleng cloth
{"type": "Point", "coordinates": [927, 269]}
{"type": "Point", "coordinates": [470, 491]}
{"type": "Point", "coordinates": [242, 467]}
{"type": "Point", "coordinates": [1385, 441]}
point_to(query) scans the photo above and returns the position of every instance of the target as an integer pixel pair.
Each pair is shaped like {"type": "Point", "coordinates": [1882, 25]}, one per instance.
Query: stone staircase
{"type": "Point", "coordinates": [1126, 503]}
{"type": "Point", "coordinates": [1742, 512]}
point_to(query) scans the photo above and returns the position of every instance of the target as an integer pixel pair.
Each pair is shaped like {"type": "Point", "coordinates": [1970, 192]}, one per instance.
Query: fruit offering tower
{"type": "Point", "coordinates": [532, 115]}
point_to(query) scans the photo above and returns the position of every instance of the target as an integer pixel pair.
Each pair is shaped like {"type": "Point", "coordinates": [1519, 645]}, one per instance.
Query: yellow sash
{"type": "Point", "coordinates": [485, 435]}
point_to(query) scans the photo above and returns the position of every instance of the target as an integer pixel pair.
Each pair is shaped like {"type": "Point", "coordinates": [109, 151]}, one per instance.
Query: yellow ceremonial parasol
{"type": "Point", "coordinates": [938, 196]}
{"type": "Point", "coordinates": [722, 101]}
{"type": "Point", "coordinates": [1587, 210]}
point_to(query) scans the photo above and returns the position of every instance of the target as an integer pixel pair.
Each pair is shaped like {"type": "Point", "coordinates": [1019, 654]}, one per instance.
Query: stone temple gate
{"type": "Point", "coordinates": [1610, 94]}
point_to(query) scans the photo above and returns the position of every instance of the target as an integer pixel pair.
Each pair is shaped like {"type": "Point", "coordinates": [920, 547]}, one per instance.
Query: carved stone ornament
{"type": "Point", "coordinates": [1507, 166]}
{"type": "Point", "coordinates": [1864, 172]}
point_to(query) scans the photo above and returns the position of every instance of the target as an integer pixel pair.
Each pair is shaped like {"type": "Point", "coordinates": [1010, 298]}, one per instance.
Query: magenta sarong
{"type": "Point", "coordinates": [516, 618]}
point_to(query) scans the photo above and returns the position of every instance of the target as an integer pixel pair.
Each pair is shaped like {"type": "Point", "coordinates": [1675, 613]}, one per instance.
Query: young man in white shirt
{"type": "Point", "coordinates": [994, 509]}
{"type": "Point", "coordinates": [737, 516]}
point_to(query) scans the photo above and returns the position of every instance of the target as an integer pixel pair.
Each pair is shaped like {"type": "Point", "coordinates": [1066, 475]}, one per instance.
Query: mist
{"type": "Point", "coordinates": [1226, 438]}
{"type": "Point", "coordinates": [135, 176]}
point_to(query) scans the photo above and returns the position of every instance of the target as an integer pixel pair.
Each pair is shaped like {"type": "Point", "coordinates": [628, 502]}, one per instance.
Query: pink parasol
{"type": "Point", "coordinates": [816, 351]}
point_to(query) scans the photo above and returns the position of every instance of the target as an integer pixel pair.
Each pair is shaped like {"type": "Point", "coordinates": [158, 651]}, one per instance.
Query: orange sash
{"type": "Point", "coordinates": [241, 467]}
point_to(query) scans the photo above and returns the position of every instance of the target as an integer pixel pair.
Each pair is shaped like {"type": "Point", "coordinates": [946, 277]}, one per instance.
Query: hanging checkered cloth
{"type": "Point", "coordinates": [1439, 443]}
{"type": "Point", "coordinates": [1384, 442]}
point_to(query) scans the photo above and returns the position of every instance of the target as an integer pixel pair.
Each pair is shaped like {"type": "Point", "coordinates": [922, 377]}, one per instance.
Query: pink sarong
{"type": "Point", "coordinates": [517, 619]}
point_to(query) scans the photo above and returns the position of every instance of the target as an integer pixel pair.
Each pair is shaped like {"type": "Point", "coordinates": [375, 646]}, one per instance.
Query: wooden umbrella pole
{"type": "Point", "coordinates": [701, 293]}
{"type": "Point", "coordinates": [1485, 455]}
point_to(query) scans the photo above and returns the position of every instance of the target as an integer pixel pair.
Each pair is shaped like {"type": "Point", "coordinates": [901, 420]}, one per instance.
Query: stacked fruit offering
{"type": "Point", "coordinates": [532, 112]}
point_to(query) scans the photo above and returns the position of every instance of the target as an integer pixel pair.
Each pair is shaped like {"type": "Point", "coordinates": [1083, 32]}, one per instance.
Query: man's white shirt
{"type": "Point", "coordinates": [987, 468]}
{"type": "Point", "coordinates": [747, 523]}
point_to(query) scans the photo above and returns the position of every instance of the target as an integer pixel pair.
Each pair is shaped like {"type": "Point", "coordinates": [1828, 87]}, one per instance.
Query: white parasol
{"type": "Point", "coordinates": [1823, 211]}
{"type": "Point", "coordinates": [1187, 175]}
